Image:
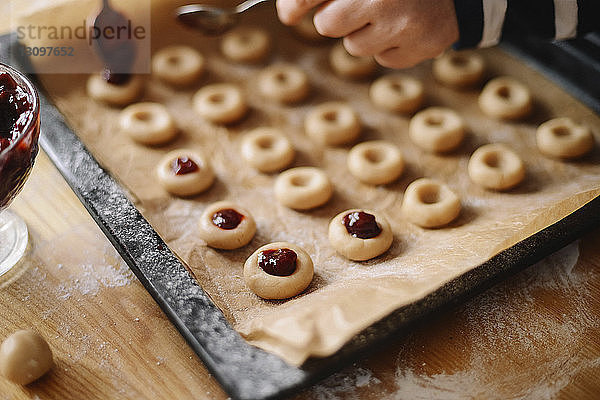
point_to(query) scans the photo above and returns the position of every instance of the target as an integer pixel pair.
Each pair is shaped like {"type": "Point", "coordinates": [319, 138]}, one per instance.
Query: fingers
{"type": "Point", "coordinates": [291, 11]}
{"type": "Point", "coordinates": [366, 42]}
{"type": "Point", "coordinates": [340, 18]}
{"type": "Point", "coordinates": [399, 58]}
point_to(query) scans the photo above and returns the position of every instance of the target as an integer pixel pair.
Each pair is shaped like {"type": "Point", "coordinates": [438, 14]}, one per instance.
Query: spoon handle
{"type": "Point", "coordinates": [248, 4]}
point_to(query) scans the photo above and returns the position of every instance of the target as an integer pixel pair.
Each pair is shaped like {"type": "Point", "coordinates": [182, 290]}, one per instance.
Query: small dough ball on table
{"type": "Point", "coordinates": [306, 29]}
{"type": "Point", "coordinates": [284, 83]}
{"type": "Point", "coordinates": [278, 271]}
{"type": "Point", "coordinates": [185, 172]}
{"type": "Point", "coordinates": [459, 69]}
{"type": "Point", "coordinates": [347, 66]}
{"type": "Point", "coordinates": [303, 188]}
{"type": "Point", "coordinates": [563, 138]}
{"type": "Point", "coordinates": [430, 204]}
{"type": "Point", "coordinates": [505, 98]}
{"type": "Point", "coordinates": [267, 149]}
{"type": "Point", "coordinates": [496, 167]}
{"type": "Point", "coordinates": [226, 225]}
{"type": "Point", "coordinates": [437, 129]}
{"type": "Point", "coordinates": [332, 123]}
{"type": "Point", "coordinates": [24, 357]}
{"type": "Point", "coordinates": [397, 93]}
{"type": "Point", "coordinates": [220, 103]}
{"type": "Point", "coordinates": [360, 234]}
{"type": "Point", "coordinates": [113, 94]}
{"type": "Point", "coordinates": [375, 162]}
{"type": "Point", "coordinates": [246, 45]}
{"type": "Point", "coordinates": [178, 65]}
{"type": "Point", "coordinates": [148, 123]}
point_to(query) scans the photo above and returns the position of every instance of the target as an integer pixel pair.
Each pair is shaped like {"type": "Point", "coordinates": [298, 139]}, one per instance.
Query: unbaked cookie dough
{"type": "Point", "coordinates": [303, 188]}
{"type": "Point", "coordinates": [430, 203]}
{"type": "Point", "coordinates": [332, 123]}
{"type": "Point", "coordinates": [285, 83]}
{"type": "Point", "coordinates": [563, 138]}
{"type": "Point", "coordinates": [178, 65]}
{"type": "Point", "coordinates": [148, 123]}
{"type": "Point", "coordinates": [267, 149]}
{"type": "Point", "coordinates": [505, 98]}
{"type": "Point", "coordinates": [226, 225]}
{"type": "Point", "coordinates": [185, 172]}
{"type": "Point", "coordinates": [220, 103]}
{"type": "Point", "coordinates": [397, 93]}
{"type": "Point", "coordinates": [459, 69]}
{"type": "Point", "coordinates": [360, 234]}
{"type": "Point", "coordinates": [437, 129]}
{"type": "Point", "coordinates": [376, 162]}
{"type": "Point", "coordinates": [278, 271]}
{"type": "Point", "coordinates": [347, 66]}
{"type": "Point", "coordinates": [24, 357]}
{"type": "Point", "coordinates": [246, 45]}
{"type": "Point", "coordinates": [496, 166]}
{"type": "Point", "coordinates": [116, 95]}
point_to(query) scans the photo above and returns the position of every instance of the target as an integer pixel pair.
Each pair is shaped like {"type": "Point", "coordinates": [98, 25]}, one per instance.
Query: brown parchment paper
{"type": "Point", "coordinates": [345, 297]}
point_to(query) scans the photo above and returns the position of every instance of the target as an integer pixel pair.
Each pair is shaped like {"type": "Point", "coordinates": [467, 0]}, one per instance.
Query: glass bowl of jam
{"type": "Point", "coordinates": [19, 133]}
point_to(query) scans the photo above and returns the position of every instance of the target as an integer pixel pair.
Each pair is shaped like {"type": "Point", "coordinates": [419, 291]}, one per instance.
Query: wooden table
{"type": "Point", "coordinates": [536, 336]}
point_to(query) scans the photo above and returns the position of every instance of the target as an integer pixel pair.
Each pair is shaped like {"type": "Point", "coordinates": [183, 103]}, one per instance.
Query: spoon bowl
{"type": "Point", "coordinates": [212, 20]}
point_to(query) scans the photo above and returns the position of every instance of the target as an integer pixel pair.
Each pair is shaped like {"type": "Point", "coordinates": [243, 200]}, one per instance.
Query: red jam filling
{"type": "Point", "coordinates": [17, 118]}
{"type": "Point", "coordinates": [361, 225]}
{"type": "Point", "coordinates": [227, 219]}
{"type": "Point", "coordinates": [280, 262]}
{"type": "Point", "coordinates": [184, 165]}
{"type": "Point", "coordinates": [114, 78]}
{"type": "Point", "coordinates": [16, 108]}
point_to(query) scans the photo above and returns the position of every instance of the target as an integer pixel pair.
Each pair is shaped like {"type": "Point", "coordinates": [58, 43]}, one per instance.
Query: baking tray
{"type": "Point", "coordinates": [244, 371]}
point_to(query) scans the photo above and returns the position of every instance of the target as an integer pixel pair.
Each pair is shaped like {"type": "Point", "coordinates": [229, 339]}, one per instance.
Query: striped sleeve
{"type": "Point", "coordinates": [484, 23]}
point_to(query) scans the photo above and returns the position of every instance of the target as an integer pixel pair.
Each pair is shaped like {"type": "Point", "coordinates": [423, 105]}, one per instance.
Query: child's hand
{"type": "Point", "coordinates": [398, 33]}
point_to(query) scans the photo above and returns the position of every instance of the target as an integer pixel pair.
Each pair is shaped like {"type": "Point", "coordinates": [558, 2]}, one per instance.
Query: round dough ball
{"type": "Point", "coordinates": [195, 173]}
{"type": "Point", "coordinates": [459, 69]}
{"type": "Point", "coordinates": [115, 95]}
{"type": "Point", "coordinates": [397, 93]}
{"type": "Point", "coordinates": [332, 123]}
{"type": "Point", "coordinates": [267, 149]}
{"type": "Point", "coordinates": [497, 167]}
{"type": "Point", "coordinates": [303, 188]}
{"type": "Point", "coordinates": [437, 129]}
{"type": "Point", "coordinates": [430, 204]}
{"type": "Point", "coordinates": [24, 357]}
{"type": "Point", "coordinates": [148, 123]}
{"type": "Point", "coordinates": [563, 138]}
{"type": "Point", "coordinates": [246, 45]}
{"type": "Point", "coordinates": [220, 103]}
{"type": "Point", "coordinates": [353, 247]}
{"type": "Point", "coordinates": [505, 98]}
{"type": "Point", "coordinates": [276, 287]}
{"type": "Point", "coordinates": [232, 230]}
{"type": "Point", "coordinates": [178, 65]}
{"type": "Point", "coordinates": [347, 66]}
{"type": "Point", "coordinates": [284, 83]}
{"type": "Point", "coordinates": [306, 29]}
{"type": "Point", "coordinates": [375, 162]}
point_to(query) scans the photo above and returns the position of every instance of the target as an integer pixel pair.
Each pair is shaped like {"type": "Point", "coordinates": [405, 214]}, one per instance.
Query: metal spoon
{"type": "Point", "coordinates": [117, 53]}
{"type": "Point", "coordinates": [212, 20]}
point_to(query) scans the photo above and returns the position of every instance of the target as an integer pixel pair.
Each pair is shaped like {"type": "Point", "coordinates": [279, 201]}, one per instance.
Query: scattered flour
{"type": "Point", "coordinates": [82, 268]}
{"type": "Point", "coordinates": [496, 325]}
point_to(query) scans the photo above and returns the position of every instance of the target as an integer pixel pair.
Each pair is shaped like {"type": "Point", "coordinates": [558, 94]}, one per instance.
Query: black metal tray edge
{"type": "Point", "coordinates": [244, 371]}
